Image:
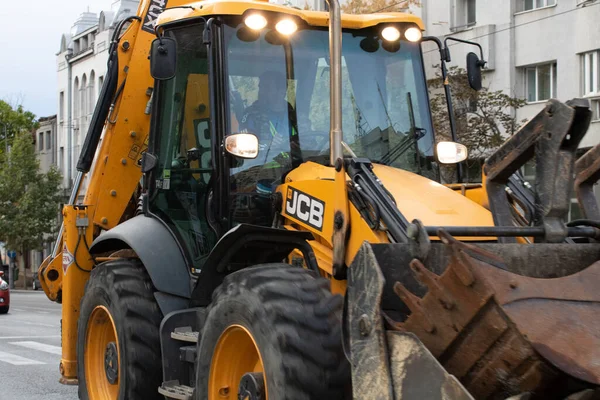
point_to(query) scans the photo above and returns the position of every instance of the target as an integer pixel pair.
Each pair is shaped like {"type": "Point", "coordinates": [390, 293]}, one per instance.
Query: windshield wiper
{"type": "Point", "coordinates": [413, 136]}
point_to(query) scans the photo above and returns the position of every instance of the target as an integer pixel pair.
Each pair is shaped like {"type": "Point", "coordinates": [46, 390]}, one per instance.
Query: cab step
{"type": "Point", "coordinates": [173, 390]}
{"type": "Point", "coordinates": [185, 334]}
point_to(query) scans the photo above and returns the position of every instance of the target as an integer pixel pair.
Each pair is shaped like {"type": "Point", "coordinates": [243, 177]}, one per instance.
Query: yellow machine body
{"type": "Point", "coordinates": [340, 234]}
{"type": "Point", "coordinates": [115, 175]}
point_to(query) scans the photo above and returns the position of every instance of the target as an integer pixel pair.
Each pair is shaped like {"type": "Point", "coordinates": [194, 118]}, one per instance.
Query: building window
{"type": "Point", "coordinates": [471, 12]}
{"type": "Point", "coordinates": [75, 100]}
{"type": "Point", "coordinates": [540, 82]}
{"type": "Point", "coordinates": [41, 141]}
{"type": "Point", "coordinates": [92, 93]}
{"type": "Point", "coordinates": [526, 5]}
{"type": "Point", "coordinates": [591, 73]}
{"type": "Point", "coordinates": [465, 14]}
{"type": "Point", "coordinates": [48, 140]}
{"type": "Point", "coordinates": [61, 106]}
{"type": "Point", "coordinates": [83, 97]}
{"type": "Point", "coordinates": [595, 103]}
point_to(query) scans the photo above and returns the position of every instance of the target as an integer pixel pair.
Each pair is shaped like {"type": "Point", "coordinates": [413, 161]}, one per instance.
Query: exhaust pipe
{"type": "Point", "coordinates": [335, 81]}
{"type": "Point", "coordinates": [336, 157]}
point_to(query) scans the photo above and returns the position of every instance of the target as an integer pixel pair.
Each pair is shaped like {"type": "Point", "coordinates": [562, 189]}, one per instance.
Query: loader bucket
{"type": "Point", "coordinates": [502, 319]}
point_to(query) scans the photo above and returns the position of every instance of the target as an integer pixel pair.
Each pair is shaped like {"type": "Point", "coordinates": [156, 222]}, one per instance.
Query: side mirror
{"type": "Point", "coordinates": [474, 71]}
{"type": "Point", "coordinates": [243, 145]}
{"type": "Point", "coordinates": [451, 152]}
{"type": "Point", "coordinates": [163, 58]}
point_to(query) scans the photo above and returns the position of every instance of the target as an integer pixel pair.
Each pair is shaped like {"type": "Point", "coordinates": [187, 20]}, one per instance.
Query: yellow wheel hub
{"type": "Point", "coordinates": [101, 356]}
{"type": "Point", "coordinates": [236, 362]}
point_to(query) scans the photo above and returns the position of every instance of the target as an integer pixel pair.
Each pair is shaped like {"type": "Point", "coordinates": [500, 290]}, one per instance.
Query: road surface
{"type": "Point", "coordinates": [30, 350]}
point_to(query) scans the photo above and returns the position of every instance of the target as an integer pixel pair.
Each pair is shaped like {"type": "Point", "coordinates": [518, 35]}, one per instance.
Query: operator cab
{"type": "Point", "coordinates": [268, 76]}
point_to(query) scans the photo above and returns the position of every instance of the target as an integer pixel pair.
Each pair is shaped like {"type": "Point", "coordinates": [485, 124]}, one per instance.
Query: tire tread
{"type": "Point", "coordinates": [304, 320]}
{"type": "Point", "coordinates": [132, 288]}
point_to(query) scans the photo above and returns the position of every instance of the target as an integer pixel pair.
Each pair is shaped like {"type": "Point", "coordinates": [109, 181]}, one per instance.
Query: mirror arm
{"type": "Point", "coordinates": [444, 57]}
{"type": "Point", "coordinates": [444, 53]}
{"type": "Point", "coordinates": [158, 35]}
{"type": "Point", "coordinates": [482, 62]}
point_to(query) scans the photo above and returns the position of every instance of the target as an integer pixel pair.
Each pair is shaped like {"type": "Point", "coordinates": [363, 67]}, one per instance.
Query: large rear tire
{"type": "Point", "coordinates": [118, 346]}
{"type": "Point", "coordinates": [278, 321]}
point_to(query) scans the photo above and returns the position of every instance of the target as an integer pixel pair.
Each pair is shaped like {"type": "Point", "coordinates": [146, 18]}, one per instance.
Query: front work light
{"type": "Point", "coordinates": [413, 34]}
{"type": "Point", "coordinates": [390, 34]}
{"type": "Point", "coordinates": [255, 22]}
{"type": "Point", "coordinates": [451, 152]}
{"type": "Point", "coordinates": [286, 27]}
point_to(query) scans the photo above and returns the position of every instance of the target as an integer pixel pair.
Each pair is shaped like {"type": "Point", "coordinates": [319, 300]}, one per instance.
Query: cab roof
{"type": "Point", "coordinates": [314, 18]}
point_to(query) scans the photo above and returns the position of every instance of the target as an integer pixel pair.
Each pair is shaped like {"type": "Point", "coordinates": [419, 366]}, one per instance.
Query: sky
{"type": "Point", "coordinates": [30, 32]}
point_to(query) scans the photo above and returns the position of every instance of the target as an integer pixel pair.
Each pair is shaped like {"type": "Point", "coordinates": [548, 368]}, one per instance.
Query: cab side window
{"type": "Point", "coordinates": [184, 171]}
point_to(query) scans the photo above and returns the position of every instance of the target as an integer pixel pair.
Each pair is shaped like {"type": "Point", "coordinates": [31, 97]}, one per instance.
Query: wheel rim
{"type": "Point", "coordinates": [236, 354]}
{"type": "Point", "coordinates": [101, 358]}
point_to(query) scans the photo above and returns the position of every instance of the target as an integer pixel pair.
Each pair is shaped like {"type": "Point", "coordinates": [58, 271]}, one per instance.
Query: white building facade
{"type": "Point", "coordinates": [536, 49]}
{"type": "Point", "coordinates": [81, 65]}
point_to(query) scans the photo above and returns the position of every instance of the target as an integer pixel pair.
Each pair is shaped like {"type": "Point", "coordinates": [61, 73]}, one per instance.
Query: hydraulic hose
{"type": "Point", "coordinates": [107, 95]}
{"type": "Point", "coordinates": [99, 118]}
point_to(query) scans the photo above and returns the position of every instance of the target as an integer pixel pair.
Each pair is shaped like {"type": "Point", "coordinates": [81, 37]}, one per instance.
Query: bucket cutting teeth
{"type": "Point", "coordinates": [429, 279]}
{"type": "Point", "coordinates": [414, 304]}
{"type": "Point", "coordinates": [483, 322]}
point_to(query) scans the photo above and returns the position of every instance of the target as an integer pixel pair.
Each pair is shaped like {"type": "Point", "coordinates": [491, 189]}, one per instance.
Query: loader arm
{"type": "Point", "coordinates": [110, 157]}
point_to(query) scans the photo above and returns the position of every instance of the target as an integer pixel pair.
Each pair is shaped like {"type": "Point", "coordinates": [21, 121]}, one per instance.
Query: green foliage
{"type": "Point", "coordinates": [483, 119]}
{"type": "Point", "coordinates": [15, 120]}
{"type": "Point", "coordinates": [29, 199]}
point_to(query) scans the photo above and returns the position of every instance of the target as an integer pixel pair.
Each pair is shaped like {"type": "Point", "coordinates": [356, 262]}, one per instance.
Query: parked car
{"type": "Point", "coordinates": [4, 295]}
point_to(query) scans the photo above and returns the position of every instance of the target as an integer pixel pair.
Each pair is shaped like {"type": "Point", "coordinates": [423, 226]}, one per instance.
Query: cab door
{"type": "Point", "coordinates": [179, 186]}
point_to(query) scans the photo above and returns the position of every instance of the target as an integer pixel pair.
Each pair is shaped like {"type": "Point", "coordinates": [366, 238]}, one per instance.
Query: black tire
{"type": "Point", "coordinates": [124, 288]}
{"type": "Point", "coordinates": [4, 310]}
{"type": "Point", "coordinates": [296, 324]}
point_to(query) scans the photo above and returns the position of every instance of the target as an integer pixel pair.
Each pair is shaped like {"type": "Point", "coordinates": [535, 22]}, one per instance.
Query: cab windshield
{"type": "Point", "coordinates": [279, 90]}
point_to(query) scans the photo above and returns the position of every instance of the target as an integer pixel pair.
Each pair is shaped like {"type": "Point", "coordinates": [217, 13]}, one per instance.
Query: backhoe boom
{"type": "Point", "coordinates": [116, 138]}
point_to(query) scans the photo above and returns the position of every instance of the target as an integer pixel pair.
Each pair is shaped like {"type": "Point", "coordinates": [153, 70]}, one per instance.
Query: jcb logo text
{"type": "Point", "coordinates": [305, 208]}
{"type": "Point", "coordinates": [156, 7]}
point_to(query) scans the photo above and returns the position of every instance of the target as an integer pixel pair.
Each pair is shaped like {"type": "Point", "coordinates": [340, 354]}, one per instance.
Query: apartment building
{"type": "Point", "coordinates": [81, 66]}
{"type": "Point", "coordinates": [536, 49]}
{"type": "Point", "coordinates": [45, 141]}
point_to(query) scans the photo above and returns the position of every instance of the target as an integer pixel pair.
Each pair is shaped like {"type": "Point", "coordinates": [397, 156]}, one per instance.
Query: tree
{"type": "Point", "coordinates": [29, 199]}
{"type": "Point", "coordinates": [483, 118]}
{"type": "Point", "coordinates": [374, 6]}
{"type": "Point", "coordinates": [14, 120]}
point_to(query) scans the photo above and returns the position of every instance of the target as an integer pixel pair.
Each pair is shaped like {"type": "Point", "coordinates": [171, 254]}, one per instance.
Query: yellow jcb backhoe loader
{"type": "Point", "coordinates": [265, 220]}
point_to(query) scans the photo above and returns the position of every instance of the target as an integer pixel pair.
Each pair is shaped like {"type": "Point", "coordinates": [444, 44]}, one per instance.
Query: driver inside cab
{"type": "Point", "coordinates": [272, 119]}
